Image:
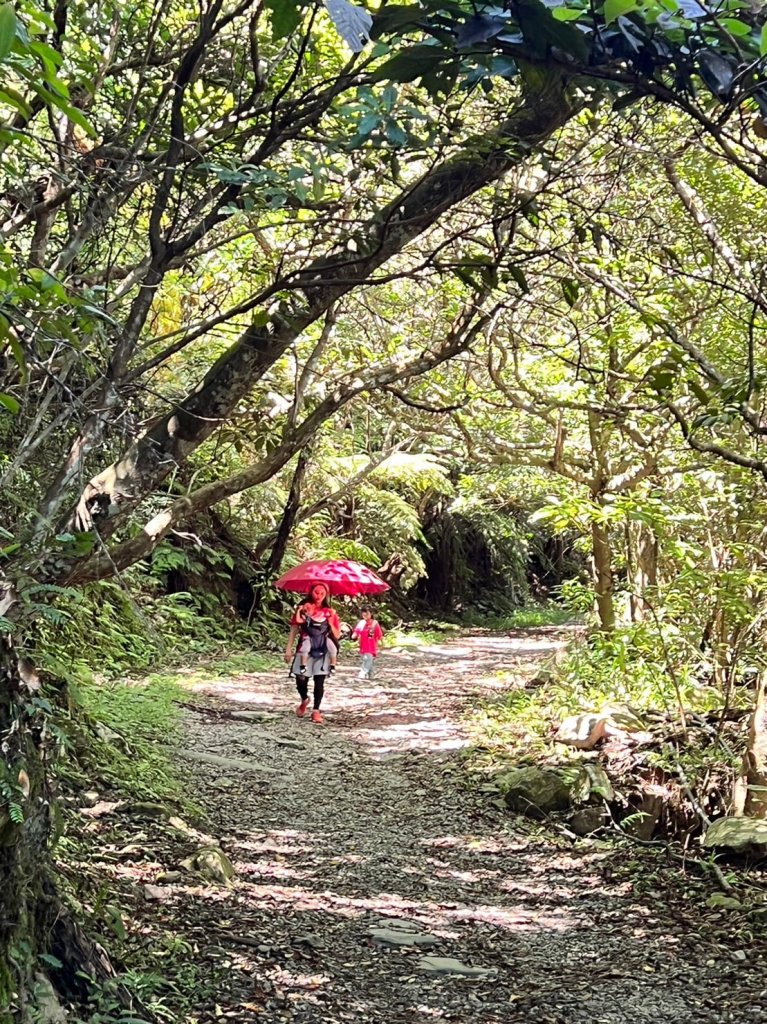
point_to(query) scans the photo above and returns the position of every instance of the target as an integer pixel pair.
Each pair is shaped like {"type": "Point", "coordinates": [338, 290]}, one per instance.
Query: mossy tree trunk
{"type": "Point", "coordinates": [33, 919]}
{"type": "Point", "coordinates": [27, 911]}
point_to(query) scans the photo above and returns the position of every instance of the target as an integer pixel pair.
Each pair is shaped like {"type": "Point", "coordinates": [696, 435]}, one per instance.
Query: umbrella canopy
{"type": "Point", "coordinates": [339, 575]}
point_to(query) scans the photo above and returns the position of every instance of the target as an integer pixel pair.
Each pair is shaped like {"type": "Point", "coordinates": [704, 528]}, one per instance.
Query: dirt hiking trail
{"type": "Point", "coordinates": [372, 886]}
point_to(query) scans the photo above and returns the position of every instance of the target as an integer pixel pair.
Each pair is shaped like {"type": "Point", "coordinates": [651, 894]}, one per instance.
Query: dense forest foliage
{"type": "Point", "coordinates": [471, 292]}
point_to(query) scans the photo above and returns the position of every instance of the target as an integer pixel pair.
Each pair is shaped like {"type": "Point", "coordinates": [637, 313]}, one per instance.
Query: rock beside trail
{"type": "Point", "coordinates": [212, 863]}
{"type": "Point", "coordinates": [535, 791]}
{"type": "Point", "coordinates": [156, 892]}
{"type": "Point", "coordinates": [740, 835]}
{"type": "Point", "coordinates": [587, 820]}
{"type": "Point", "coordinates": [719, 901]}
{"type": "Point", "coordinates": [584, 731]}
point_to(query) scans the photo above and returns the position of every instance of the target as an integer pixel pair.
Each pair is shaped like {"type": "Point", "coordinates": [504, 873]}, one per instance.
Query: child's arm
{"type": "Point", "coordinates": [334, 625]}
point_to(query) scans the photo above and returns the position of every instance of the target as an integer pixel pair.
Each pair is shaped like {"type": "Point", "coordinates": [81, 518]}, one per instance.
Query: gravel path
{"type": "Point", "coordinates": [362, 823]}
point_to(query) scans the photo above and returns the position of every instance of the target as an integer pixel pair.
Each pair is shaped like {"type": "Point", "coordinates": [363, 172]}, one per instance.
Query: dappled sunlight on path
{"type": "Point", "coordinates": [419, 695]}
{"type": "Point", "coordinates": [350, 835]}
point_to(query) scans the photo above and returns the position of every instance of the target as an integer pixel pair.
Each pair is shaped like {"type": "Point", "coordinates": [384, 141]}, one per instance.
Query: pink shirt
{"type": "Point", "coordinates": [368, 643]}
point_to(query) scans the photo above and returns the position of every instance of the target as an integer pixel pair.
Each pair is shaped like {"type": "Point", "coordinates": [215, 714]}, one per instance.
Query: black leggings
{"type": "Point", "coordinates": [302, 685]}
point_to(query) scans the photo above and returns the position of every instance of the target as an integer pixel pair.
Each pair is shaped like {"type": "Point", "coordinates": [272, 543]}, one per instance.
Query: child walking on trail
{"type": "Point", "coordinates": [370, 635]}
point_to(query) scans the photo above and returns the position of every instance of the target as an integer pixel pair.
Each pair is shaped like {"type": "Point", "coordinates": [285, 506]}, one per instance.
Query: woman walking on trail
{"type": "Point", "coordinates": [370, 635]}
{"type": "Point", "coordinates": [318, 628]}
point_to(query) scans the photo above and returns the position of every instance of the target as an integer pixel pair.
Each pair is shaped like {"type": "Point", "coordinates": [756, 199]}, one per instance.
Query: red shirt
{"type": "Point", "coordinates": [369, 633]}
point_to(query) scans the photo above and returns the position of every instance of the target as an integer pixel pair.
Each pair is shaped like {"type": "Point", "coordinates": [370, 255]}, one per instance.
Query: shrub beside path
{"type": "Point", "coordinates": [373, 886]}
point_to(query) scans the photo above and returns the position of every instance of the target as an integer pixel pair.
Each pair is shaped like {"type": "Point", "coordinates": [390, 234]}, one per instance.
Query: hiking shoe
{"type": "Point", "coordinates": [301, 709]}
{"type": "Point", "coordinates": [316, 717]}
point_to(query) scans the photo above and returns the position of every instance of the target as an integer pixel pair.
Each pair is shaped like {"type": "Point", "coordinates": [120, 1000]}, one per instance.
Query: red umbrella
{"type": "Point", "coordinates": [339, 575]}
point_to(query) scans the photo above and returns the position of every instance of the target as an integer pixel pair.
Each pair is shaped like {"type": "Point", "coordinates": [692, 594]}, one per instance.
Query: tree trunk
{"type": "Point", "coordinates": [750, 792]}
{"type": "Point", "coordinates": [33, 918]}
{"type": "Point", "coordinates": [603, 576]}
{"type": "Point", "coordinates": [290, 514]}
{"type": "Point", "coordinates": [644, 565]}
{"type": "Point", "coordinates": [601, 550]}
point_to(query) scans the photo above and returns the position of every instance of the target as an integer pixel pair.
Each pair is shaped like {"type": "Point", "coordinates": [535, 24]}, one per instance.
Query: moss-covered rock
{"type": "Point", "coordinates": [212, 863]}
{"type": "Point", "coordinates": [535, 791]}
{"type": "Point", "coordinates": [740, 835]}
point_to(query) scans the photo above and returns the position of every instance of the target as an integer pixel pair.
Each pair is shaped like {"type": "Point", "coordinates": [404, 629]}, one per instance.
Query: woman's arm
{"type": "Point", "coordinates": [289, 649]}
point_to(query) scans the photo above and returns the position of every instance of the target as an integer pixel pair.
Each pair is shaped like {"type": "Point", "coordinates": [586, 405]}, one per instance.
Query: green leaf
{"type": "Point", "coordinates": [465, 275]}
{"type": "Point", "coordinates": [570, 289]}
{"type": "Point", "coordinates": [615, 9]}
{"type": "Point", "coordinates": [52, 961]}
{"type": "Point", "coordinates": [736, 27]}
{"type": "Point", "coordinates": [541, 31]}
{"type": "Point", "coordinates": [518, 275]}
{"type": "Point", "coordinates": [395, 134]}
{"type": "Point", "coordinates": [52, 98]}
{"type": "Point", "coordinates": [411, 63]}
{"type": "Point", "coordinates": [7, 30]}
{"type": "Point", "coordinates": [9, 402]}
{"type": "Point", "coordinates": [567, 13]}
{"type": "Point", "coordinates": [285, 17]}
{"type": "Point", "coordinates": [479, 28]}
{"type": "Point", "coordinates": [763, 41]}
{"type": "Point", "coordinates": [393, 17]}
{"type": "Point", "coordinates": [18, 354]}
{"type": "Point", "coordinates": [14, 99]}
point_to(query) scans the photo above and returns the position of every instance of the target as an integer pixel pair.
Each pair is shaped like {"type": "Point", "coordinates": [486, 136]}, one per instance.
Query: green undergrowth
{"type": "Point", "coordinates": [434, 631]}
{"type": "Point", "coordinates": [135, 721]}
{"type": "Point", "coordinates": [119, 656]}
{"type": "Point", "coordinates": [124, 729]}
{"type": "Point", "coordinates": [111, 633]}
{"type": "Point", "coordinates": [635, 668]}
{"type": "Point", "coordinates": [420, 634]}
{"type": "Point", "coordinates": [522, 618]}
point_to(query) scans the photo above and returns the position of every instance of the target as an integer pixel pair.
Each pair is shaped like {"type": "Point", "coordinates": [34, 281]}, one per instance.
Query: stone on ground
{"type": "Point", "coordinates": [449, 965]}
{"type": "Point", "coordinates": [399, 937]}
